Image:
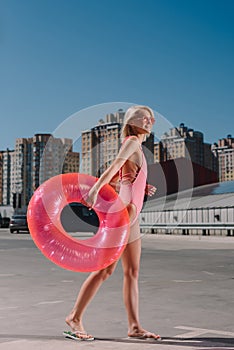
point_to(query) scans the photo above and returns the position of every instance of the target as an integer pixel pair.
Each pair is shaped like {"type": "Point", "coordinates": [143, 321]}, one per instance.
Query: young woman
{"type": "Point", "coordinates": [130, 164]}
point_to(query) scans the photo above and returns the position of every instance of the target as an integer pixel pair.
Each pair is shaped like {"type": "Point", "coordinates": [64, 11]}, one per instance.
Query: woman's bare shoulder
{"type": "Point", "coordinates": [130, 140]}
{"type": "Point", "coordinates": [129, 146]}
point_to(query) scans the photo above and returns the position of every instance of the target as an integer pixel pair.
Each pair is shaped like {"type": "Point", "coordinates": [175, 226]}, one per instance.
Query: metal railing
{"type": "Point", "coordinates": [189, 220]}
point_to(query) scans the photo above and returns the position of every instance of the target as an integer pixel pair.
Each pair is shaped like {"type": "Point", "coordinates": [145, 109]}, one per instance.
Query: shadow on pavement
{"type": "Point", "coordinates": [206, 343]}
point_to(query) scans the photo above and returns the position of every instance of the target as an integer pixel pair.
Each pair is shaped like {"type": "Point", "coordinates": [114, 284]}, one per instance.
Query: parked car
{"type": "Point", "coordinates": [5, 222]}
{"type": "Point", "coordinates": [18, 223]}
{"type": "Point", "coordinates": [76, 217]}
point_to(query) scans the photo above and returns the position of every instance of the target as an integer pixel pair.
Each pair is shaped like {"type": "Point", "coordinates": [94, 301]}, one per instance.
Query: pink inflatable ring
{"type": "Point", "coordinates": [91, 254]}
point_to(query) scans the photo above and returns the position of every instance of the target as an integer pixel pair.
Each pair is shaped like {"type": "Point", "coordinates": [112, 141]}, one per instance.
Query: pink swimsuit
{"type": "Point", "coordinates": [134, 192]}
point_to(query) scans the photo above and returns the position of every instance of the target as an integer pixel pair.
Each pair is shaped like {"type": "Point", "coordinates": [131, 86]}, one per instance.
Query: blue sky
{"type": "Point", "coordinates": [61, 56]}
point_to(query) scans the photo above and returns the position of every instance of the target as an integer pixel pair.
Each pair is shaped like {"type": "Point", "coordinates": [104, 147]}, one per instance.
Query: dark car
{"type": "Point", "coordinates": [5, 222]}
{"type": "Point", "coordinates": [76, 217]}
{"type": "Point", "coordinates": [18, 223]}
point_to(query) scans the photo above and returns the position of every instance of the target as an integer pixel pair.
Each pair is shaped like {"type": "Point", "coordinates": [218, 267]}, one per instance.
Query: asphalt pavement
{"type": "Point", "coordinates": [186, 295]}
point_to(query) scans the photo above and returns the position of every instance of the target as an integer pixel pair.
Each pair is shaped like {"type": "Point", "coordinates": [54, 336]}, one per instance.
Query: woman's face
{"type": "Point", "coordinates": [144, 122]}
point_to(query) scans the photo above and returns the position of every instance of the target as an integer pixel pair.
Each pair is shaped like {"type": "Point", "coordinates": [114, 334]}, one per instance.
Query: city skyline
{"type": "Point", "coordinates": [43, 156]}
{"type": "Point", "coordinates": [78, 147]}
{"type": "Point", "coordinates": [175, 56]}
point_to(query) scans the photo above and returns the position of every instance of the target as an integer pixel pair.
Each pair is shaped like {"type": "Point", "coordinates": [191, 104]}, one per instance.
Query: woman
{"type": "Point", "coordinates": [131, 166]}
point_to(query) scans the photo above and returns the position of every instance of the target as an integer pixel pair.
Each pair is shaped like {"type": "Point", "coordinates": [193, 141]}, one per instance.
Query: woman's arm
{"type": "Point", "coordinates": [114, 182]}
{"type": "Point", "coordinates": [127, 149]}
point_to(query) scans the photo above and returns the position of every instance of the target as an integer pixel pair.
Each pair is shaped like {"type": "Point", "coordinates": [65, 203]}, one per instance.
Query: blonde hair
{"type": "Point", "coordinates": [128, 128]}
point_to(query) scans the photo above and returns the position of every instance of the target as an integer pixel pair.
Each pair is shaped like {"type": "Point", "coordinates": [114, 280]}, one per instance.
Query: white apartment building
{"type": "Point", "coordinates": [224, 152]}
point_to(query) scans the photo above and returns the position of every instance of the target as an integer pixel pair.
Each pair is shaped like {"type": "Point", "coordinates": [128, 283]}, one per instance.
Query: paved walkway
{"type": "Point", "coordinates": [186, 288]}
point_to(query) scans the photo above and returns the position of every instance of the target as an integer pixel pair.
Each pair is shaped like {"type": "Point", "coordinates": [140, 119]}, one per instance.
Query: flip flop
{"type": "Point", "coordinates": [145, 336]}
{"type": "Point", "coordinates": [78, 336]}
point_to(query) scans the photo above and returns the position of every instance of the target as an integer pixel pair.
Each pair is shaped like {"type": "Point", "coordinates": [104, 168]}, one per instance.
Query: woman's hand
{"type": "Point", "coordinates": [150, 190]}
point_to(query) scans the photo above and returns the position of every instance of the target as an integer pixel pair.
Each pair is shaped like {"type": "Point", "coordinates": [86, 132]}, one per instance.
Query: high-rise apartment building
{"type": "Point", "coordinates": [20, 172]}
{"type": "Point", "coordinates": [210, 161]}
{"type": "Point", "coordinates": [6, 159]}
{"type": "Point", "coordinates": [224, 152]}
{"type": "Point", "coordinates": [33, 161]}
{"type": "Point", "coordinates": [183, 142]}
{"type": "Point", "coordinates": [117, 117]}
{"type": "Point", "coordinates": [158, 152]}
{"type": "Point", "coordinates": [100, 145]}
{"type": "Point", "coordinates": [86, 164]}
{"type": "Point", "coordinates": [1, 171]}
{"type": "Point", "coordinates": [72, 162]}
{"type": "Point", "coordinates": [51, 156]}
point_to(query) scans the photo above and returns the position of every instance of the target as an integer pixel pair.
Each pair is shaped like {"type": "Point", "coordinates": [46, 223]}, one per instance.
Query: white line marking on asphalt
{"type": "Point", "coordinates": [186, 281]}
{"type": "Point", "coordinates": [182, 340]}
{"type": "Point", "coordinates": [50, 302]}
{"type": "Point", "coordinates": [6, 275]}
{"type": "Point", "coordinates": [67, 281]}
{"type": "Point", "coordinates": [208, 273]}
{"type": "Point", "coordinates": [194, 332]}
{"type": "Point", "coordinates": [9, 307]}
{"type": "Point", "coordinates": [190, 334]}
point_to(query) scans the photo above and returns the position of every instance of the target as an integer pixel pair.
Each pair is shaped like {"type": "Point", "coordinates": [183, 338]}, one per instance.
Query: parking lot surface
{"type": "Point", "coordinates": [186, 295]}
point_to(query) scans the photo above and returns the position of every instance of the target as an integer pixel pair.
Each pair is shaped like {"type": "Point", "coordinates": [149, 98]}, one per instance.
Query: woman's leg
{"type": "Point", "coordinates": [86, 293]}
{"type": "Point", "coordinates": [131, 267]}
